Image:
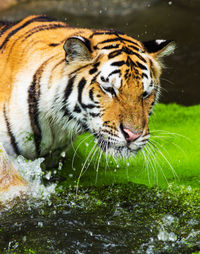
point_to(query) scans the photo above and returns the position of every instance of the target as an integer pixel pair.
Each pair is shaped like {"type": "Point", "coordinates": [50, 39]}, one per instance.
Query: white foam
{"type": "Point", "coordinates": [31, 171]}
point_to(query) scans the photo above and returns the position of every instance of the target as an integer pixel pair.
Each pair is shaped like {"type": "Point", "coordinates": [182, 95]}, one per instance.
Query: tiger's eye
{"type": "Point", "coordinates": [145, 94]}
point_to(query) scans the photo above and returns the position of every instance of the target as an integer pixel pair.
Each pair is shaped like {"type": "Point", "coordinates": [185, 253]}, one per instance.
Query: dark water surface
{"type": "Point", "coordinates": [178, 20]}
{"type": "Point", "coordinates": [124, 219]}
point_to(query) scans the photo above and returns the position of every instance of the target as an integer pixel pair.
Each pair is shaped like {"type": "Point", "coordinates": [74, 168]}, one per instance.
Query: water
{"type": "Point", "coordinates": [118, 218]}
{"type": "Point", "coordinates": [124, 218]}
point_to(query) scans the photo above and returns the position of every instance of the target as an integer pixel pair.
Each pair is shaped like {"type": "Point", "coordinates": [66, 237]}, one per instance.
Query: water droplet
{"type": "Point", "coordinates": [40, 224]}
{"type": "Point", "coordinates": [172, 237]}
{"type": "Point", "coordinates": [163, 236]}
{"type": "Point", "coordinates": [60, 166]}
{"type": "Point", "coordinates": [86, 144]}
{"type": "Point", "coordinates": [168, 219]}
{"type": "Point", "coordinates": [90, 233]}
{"type": "Point", "coordinates": [24, 238]}
{"type": "Point", "coordinates": [48, 175]}
{"type": "Point", "coordinates": [63, 154]}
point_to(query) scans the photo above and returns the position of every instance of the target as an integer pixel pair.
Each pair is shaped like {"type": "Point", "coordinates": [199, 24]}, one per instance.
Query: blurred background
{"type": "Point", "coordinates": [144, 20]}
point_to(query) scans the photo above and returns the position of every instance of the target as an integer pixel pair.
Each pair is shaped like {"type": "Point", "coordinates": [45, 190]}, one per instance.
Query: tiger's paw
{"type": "Point", "coordinates": [12, 184]}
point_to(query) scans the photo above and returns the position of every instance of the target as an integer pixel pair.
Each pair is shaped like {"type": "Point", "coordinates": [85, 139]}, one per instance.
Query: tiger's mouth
{"type": "Point", "coordinates": [116, 148]}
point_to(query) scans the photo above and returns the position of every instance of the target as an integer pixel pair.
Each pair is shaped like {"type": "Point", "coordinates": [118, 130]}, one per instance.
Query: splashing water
{"type": "Point", "coordinates": [31, 171]}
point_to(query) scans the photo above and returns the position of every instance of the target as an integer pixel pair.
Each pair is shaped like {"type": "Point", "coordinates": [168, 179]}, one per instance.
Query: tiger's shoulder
{"type": "Point", "coordinates": [27, 44]}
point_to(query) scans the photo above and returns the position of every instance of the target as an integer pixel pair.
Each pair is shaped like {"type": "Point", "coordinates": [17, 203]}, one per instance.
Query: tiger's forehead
{"type": "Point", "coordinates": [103, 39]}
{"type": "Point", "coordinates": [125, 60]}
{"type": "Point", "coordinates": [123, 52]}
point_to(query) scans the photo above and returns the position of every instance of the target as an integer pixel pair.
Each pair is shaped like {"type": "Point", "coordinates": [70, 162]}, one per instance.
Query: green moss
{"type": "Point", "coordinates": [174, 155]}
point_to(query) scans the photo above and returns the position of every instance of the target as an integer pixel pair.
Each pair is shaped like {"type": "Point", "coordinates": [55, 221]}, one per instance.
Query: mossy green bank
{"type": "Point", "coordinates": [172, 156]}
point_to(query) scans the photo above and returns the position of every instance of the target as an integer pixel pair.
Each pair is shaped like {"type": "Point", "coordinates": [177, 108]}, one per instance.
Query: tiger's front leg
{"type": "Point", "coordinates": [9, 176]}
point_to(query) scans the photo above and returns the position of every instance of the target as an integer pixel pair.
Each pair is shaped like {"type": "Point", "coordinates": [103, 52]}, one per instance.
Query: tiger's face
{"type": "Point", "coordinates": [123, 85]}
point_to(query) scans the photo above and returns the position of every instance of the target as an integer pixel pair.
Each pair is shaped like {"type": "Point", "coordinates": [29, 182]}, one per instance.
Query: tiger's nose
{"type": "Point", "coordinates": [129, 135]}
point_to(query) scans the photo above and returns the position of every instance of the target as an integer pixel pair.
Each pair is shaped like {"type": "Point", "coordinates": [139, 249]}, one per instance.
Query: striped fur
{"type": "Point", "coordinates": [58, 81]}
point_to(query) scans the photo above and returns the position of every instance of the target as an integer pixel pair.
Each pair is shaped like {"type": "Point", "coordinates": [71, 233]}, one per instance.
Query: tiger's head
{"type": "Point", "coordinates": [117, 82]}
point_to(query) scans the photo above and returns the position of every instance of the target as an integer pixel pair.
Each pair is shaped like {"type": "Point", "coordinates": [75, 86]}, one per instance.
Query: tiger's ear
{"type": "Point", "coordinates": [77, 48]}
{"type": "Point", "coordinates": [160, 48]}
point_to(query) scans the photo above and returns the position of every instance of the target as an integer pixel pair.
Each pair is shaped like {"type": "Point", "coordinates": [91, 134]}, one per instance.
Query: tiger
{"type": "Point", "coordinates": [58, 81]}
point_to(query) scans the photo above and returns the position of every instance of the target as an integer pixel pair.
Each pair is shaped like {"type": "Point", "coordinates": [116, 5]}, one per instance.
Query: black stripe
{"type": "Point", "coordinates": [67, 93]}
{"type": "Point", "coordinates": [53, 44]}
{"type": "Point", "coordinates": [33, 100]}
{"type": "Point", "coordinates": [91, 93]}
{"type": "Point", "coordinates": [94, 78]}
{"type": "Point", "coordinates": [118, 39]}
{"type": "Point", "coordinates": [110, 32]}
{"type": "Point", "coordinates": [94, 69]}
{"type": "Point", "coordinates": [114, 72]}
{"type": "Point", "coordinates": [133, 47]}
{"type": "Point", "coordinates": [130, 63]}
{"type": "Point", "coordinates": [141, 66]}
{"type": "Point", "coordinates": [140, 57]}
{"type": "Point", "coordinates": [115, 53]}
{"type": "Point", "coordinates": [81, 86]}
{"type": "Point", "coordinates": [132, 42]}
{"type": "Point", "coordinates": [110, 90]}
{"type": "Point", "coordinates": [35, 19]}
{"type": "Point", "coordinates": [127, 51]}
{"type": "Point", "coordinates": [77, 109]}
{"type": "Point", "coordinates": [42, 28]}
{"type": "Point", "coordinates": [80, 68]}
{"type": "Point", "coordinates": [119, 63]}
{"type": "Point", "coordinates": [94, 114]}
{"type": "Point", "coordinates": [10, 133]}
{"type": "Point", "coordinates": [109, 40]}
{"type": "Point", "coordinates": [6, 27]}
{"type": "Point", "coordinates": [114, 46]}
{"type": "Point", "coordinates": [68, 89]}
{"type": "Point", "coordinates": [144, 75]}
